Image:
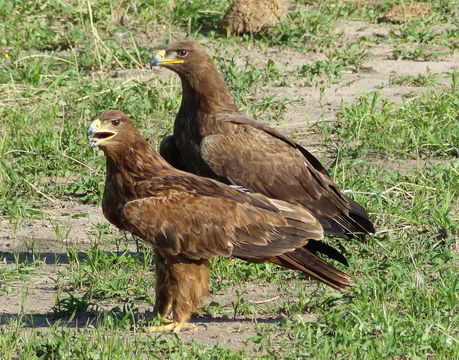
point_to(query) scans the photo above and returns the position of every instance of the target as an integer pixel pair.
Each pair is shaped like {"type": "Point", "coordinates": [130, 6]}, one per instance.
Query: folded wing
{"type": "Point", "coordinates": [262, 160]}
{"type": "Point", "coordinates": [201, 226]}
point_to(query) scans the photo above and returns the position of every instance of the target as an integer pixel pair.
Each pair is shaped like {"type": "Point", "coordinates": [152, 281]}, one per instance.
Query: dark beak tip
{"type": "Point", "coordinates": [153, 62]}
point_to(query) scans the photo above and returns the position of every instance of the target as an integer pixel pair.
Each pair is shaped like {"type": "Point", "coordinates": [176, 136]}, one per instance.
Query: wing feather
{"type": "Point", "coordinates": [263, 160]}
{"type": "Point", "coordinates": [201, 226]}
{"type": "Point", "coordinates": [286, 175]}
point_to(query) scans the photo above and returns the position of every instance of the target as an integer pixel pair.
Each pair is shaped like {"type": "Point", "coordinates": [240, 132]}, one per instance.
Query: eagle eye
{"type": "Point", "coordinates": [116, 122]}
{"type": "Point", "coordinates": [182, 53]}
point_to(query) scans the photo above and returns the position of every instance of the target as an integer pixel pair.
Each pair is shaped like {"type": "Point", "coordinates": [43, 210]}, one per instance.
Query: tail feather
{"type": "Point", "coordinates": [320, 247]}
{"type": "Point", "coordinates": [346, 227]}
{"type": "Point", "coordinates": [306, 261]}
{"type": "Point", "coordinates": [351, 229]}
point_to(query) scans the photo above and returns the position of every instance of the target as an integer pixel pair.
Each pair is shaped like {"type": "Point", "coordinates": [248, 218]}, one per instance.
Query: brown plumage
{"type": "Point", "coordinates": [213, 138]}
{"type": "Point", "coordinates": [189, 219]}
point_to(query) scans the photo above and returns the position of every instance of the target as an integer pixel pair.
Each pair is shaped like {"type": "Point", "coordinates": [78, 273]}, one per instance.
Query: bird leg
{"type": "Point", "coordinates": [164, 296]}
{"type": "Point", "coordinates": [181, 284]}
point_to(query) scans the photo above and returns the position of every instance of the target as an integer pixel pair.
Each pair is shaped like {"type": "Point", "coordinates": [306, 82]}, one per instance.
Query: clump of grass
{"type": "Point", "coordinates": [322, 69]}
{"type": "Point", "coordinates": [9, 275]}
{"type": "Point", "coordinates": [338, 60]}
{"type": "Point", "coordinates": [199, 16]}
{"type": "Point", "coordinates": [226, 272]}
{"type": "Point", "coordinates": [242, 81]}
{"type": "Point", "coordinates": [423, 32]}
{"type": "Point", "coordinates": [418, 53]}
{"type": "Point", "coordinates": [122, 276]}
{"type": "Point", "coordinates": [352, 55]}
{"type": "Point", "coordinates": [305, 28]}
{"type": "Point", "coordinates": [70, 306]}
{"type": "Point", "coordinates": [242, 84]}
{"type": "Point", "coordinates": [429, 79]}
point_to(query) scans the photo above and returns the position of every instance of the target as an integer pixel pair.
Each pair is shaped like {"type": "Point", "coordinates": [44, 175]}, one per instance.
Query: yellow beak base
{"type": "Point", "coordinates": [97, 135]}
{"type": "Point", "coordinates": [159, 59]}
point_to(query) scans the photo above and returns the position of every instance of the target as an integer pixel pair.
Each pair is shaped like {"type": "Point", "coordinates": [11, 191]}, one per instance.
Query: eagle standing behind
{"type": "Point", "coordinates": [213, 138]}
{"type": "Point", "coordinates": [189, 219]}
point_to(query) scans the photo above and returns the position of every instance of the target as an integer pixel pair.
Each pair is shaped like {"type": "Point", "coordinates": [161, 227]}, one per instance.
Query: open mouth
{"type": "Point", "coordinates": [98, 137]}
{"type": "Point", "coordinates": [103, 135]}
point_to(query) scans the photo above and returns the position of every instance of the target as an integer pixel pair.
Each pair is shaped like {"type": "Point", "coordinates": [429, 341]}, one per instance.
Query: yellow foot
{"type": "Point", "coordinates": [166, 321]}
{"type": "Point", "coordinates": [172, 327]}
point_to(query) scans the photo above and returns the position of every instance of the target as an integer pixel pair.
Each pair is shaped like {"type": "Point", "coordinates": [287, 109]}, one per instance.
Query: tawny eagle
{"type": "Point", "coordinates": [213, 138]}
{"type": "Point", "coordinates": [189, 219]}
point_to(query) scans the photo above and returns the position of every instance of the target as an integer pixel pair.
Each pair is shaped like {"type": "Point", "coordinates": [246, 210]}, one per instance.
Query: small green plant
{"type": "Point", "coordinates": [242, 81]}
{"type": "Point", "coordinates": [242, 307]}
{"type": "Point", "coordinates": [9, 275]}
{"type": "Point", "coordinates": [421, 53]}
{"type": "Point", "coordinates": [327, 69]}
{"type": "Point", "coordinates": [429, 79]}
{"type": "Point", "coordinates": [70, 306]}
{"type": "Point", "coordinates": [348, 55]}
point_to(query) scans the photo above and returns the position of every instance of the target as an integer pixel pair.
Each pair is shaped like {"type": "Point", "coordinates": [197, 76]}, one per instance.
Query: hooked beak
{"type": "Point", "coordinates": [159, 59]}
{"type": "Point", "coordinates": [97, 134]}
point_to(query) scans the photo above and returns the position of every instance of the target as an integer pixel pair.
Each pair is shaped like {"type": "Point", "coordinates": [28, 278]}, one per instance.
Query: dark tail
{"type": "Point", "coordinates": [306, 261]}
{"type": "Point", "coordinates": [320, 247]}
{"type": "Point", "coordinates": [355, 225]}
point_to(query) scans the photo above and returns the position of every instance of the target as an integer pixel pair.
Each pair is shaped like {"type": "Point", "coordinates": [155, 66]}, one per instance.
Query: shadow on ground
{"type": "Point", "coordinates": [50, 258]}
{"type": "Point", "coordinates": [94, 318]}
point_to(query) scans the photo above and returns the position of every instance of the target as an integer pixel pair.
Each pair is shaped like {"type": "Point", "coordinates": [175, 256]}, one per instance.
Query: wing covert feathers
{"type": "Point", "coordinates": [179, 224]}
{"type": "Point", "coordinates": [274, 166]}
{"type": "Point", "coordinates": [202, 226]}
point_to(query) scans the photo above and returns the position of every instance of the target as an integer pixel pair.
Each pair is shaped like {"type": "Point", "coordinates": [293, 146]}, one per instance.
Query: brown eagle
{"type": "Point", "coordinates": [213, 138]}
{"type": "Point", "coordinates": [188, 219]}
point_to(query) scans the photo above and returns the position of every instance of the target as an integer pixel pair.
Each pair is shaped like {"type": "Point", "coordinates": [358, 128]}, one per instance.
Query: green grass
{"type": "Point", "coordinates": [419, 80]}
{"type": "Point", "coordinates": [9, 275]}
{"type": "Point", "coordinates": [61, 343]}
{"type": "Point", "coordinates": [57, 69]}
{"type": "Point", "coordinates": [406, 302]}
{"type": "Point", "coordinates": [422, 127]}
{"type": "Point", "coordinates": [418, 53]}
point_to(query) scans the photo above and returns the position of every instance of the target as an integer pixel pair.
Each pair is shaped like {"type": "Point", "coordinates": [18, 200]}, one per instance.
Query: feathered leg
{"type": "Point", "coordinates": [184, 285]}
{"type": "Point", "coordinates": [164, 296]}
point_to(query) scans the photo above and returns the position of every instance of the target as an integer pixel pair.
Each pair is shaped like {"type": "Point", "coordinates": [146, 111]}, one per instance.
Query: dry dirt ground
{"type": "Point", "coordinates": [36, 297]}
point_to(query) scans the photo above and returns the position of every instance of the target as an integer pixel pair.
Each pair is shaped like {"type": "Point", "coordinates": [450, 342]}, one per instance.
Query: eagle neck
{"type": "Point", "coordinates": [205, 92]}
{"type": "Point", "coordinates": [134, 162]}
